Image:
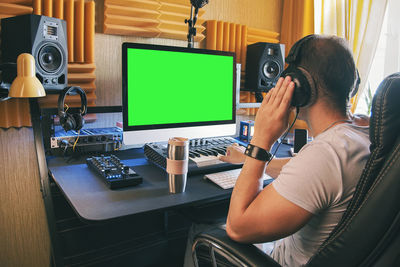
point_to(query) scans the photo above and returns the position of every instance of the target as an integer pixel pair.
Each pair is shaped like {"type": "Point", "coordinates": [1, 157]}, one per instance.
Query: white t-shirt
{"type": "Point", "coordinates": [321, 179]}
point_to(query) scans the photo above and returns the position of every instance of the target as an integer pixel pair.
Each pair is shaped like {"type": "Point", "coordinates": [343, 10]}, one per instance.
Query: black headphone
{"type": "Point", "coordinates": [305, 93]}
{"type": "Point", "coordinates": [72, 121]}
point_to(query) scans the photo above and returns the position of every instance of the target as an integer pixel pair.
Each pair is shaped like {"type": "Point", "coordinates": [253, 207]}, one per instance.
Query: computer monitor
{"type": "Point", "coordinates": [176, 91]}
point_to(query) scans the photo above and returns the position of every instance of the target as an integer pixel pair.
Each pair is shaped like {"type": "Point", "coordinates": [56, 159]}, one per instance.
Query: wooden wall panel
{"type": "Point", "coordinates": [23, 227]}
{"type": "Point", "coordinates": [233, 37]}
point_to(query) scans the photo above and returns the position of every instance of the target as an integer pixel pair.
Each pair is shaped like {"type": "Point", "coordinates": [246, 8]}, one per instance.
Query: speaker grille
{"type": "Point", "coordinates": [50, 58]}
{"type": "Point", "coordinates": [271, 69]}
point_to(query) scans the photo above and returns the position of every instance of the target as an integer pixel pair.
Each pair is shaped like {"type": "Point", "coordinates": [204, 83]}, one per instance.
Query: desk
{"type": "Point", "coordinates": [92, 200]}
{"type": "Point", "coordinates": [125, 227]}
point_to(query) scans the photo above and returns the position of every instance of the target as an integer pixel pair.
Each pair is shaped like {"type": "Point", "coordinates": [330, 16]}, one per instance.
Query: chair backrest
{"type": "Point", "coordinates": [368, 234]}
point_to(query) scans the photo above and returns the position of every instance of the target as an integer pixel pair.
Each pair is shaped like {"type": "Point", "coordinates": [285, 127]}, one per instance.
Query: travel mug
{"type": "Point", "coordinates": [177, 164]}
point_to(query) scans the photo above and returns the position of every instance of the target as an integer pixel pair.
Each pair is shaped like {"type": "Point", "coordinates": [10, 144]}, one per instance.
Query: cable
{"type": "Point", "coordinates": [259, 97]}
{"type": "Point", "coordinates": [285, 134]}
{"type": "Point", "coordinates": [65, 142]}
{"type": "Point", "coordinates": [76, 141]}
{"type": "Point", "coordinates": [119, 145]}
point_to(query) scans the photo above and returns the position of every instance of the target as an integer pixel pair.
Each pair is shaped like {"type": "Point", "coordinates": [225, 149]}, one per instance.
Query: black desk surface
{"type": "Point", "coordinates": [92, 200]}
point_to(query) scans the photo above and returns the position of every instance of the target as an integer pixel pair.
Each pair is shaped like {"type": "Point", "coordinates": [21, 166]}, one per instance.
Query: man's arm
{"type": "Point", "coordinates": [256, 214]}
{"type": "Point", "coordinates": [235, 155]}
{"type": "Point", "coordinates": [275, 166]}
{"type": "Point", "coordinates": [260, 216]}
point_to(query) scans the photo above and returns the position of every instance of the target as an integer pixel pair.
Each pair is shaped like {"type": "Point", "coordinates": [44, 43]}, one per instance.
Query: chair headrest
{"type": "Point", "coordinates": [385, 117]}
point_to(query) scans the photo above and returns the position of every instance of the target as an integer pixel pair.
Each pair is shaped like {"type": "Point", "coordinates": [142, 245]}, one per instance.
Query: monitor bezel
{"type": "Point", "coordinates": [127, 45]}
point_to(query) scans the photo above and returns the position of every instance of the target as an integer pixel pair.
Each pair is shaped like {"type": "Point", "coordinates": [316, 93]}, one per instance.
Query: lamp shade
{"type": "Point", "coordinates": [26, 84]}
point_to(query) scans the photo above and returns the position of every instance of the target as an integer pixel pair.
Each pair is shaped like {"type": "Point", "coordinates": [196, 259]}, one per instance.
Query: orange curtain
{"type": "Point", "coordinates": [297, 22]}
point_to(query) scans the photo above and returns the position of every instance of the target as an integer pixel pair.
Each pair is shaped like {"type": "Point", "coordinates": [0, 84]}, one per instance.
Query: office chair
{"type": "Point", "coordinates": [368, 233]}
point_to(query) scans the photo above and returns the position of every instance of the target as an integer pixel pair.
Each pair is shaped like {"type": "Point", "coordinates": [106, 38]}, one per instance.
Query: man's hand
{"type": "Point", "coordinates": [234, 154]}
{"type": "Point", "coordinates": [272, 117]}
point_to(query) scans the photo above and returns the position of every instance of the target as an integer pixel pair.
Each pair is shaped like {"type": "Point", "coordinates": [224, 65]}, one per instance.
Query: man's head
{"type": "Point", "coordinates": [328, 66]}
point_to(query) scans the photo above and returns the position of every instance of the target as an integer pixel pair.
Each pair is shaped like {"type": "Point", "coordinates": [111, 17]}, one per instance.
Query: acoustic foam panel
{"type": "Point", "coordinates": [233, 37]}
{"type": "Point", "coordinates": [150, 18]}
{"type": "Point", "coordinates": [80, 17]}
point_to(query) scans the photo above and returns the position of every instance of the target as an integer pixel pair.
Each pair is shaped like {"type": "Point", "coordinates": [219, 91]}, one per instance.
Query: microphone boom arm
{"type": "Point", "coordinates": [196, 4]}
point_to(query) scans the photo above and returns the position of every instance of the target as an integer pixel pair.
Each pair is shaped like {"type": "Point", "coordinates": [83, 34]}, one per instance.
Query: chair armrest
{"type": "Point", "coordinates": [215, 244]}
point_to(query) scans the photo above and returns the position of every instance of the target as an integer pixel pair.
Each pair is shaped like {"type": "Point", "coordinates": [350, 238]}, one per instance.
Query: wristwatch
{"type": "Point", "coordinates": [257, 153]}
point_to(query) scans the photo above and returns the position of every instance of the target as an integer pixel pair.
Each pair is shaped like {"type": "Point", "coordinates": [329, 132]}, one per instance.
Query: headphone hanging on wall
{"type": "Point", "coordinates": [72, 121]}
{"type": "Point", "coordinates": [305, 93]}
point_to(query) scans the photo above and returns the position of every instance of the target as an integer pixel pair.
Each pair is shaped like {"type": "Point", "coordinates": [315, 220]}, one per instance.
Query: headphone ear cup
{"type": "Point", "coordinates": [79, 121]}
{"type": "Point", "coordinates": [303, 95]}
{"type": "Point", "coordinates": [68, 122]}
{"type": "Point", "coordinates": [309, 87]}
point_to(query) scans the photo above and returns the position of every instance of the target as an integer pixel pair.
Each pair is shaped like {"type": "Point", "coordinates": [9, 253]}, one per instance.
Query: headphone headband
{"type": "Point", "coordinates": [356, 85]}
{"type": "Point", "coordinates": [66, 92]}
{"type": "Point", "coordinates": [295, 50]}
{"type": "Point", "coordinates": [293, 58]}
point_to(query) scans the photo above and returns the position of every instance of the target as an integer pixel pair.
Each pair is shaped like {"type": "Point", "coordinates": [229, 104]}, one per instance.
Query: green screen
{"type": "Point", "coordinates": [166, 87]}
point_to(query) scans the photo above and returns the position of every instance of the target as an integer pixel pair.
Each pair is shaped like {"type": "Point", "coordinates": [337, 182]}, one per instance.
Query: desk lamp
{"type": "Point", "coordinates": [26, 85]}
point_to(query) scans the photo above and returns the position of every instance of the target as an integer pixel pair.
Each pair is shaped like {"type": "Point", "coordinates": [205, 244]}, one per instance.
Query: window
{"type": "Point", "coordinates": [387, 56]}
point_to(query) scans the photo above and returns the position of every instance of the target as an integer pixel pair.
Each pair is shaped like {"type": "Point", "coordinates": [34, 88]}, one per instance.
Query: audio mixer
{"type": "Point", "coordinates": [115, 173]}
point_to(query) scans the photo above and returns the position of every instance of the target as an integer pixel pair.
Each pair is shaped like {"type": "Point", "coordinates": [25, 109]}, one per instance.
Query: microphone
{"type": "Point", "coordinates": [199, 3]}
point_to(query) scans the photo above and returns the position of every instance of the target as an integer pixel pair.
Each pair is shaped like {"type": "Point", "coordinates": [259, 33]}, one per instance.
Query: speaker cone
{"type": "Point", "coordinates": [50, 58]}
{"type": "Point", "coordinates": [271, 69]}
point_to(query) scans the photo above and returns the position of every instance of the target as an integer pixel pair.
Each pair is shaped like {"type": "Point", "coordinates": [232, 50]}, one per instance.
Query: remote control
{"type": "Point", "coordinates": [113, 171]}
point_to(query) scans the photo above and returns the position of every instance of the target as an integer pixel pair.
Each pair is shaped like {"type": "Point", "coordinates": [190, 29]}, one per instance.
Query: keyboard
{"type": "Point", "coordinates": [203, 154]}
{"type": "Point", "coordinates": [227, 179]}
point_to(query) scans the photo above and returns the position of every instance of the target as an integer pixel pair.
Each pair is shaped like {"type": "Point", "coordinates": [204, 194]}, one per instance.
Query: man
{"type": "Point", "coordinates": [312, 190]}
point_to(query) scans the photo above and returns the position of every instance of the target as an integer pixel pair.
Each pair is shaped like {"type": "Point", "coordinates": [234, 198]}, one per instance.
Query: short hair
{"type": "Point", "coordinates": [330, 62]}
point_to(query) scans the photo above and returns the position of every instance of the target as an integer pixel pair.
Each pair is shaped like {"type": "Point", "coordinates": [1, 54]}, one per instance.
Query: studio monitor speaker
{"type": "Point", "coordinates": [264, 65]}
{"type": "Point", "coordinates": [45, 39]}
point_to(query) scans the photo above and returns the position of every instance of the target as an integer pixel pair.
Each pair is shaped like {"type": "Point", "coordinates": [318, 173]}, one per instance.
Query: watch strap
{"type": "Point", "coordinates": [257, 153]}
